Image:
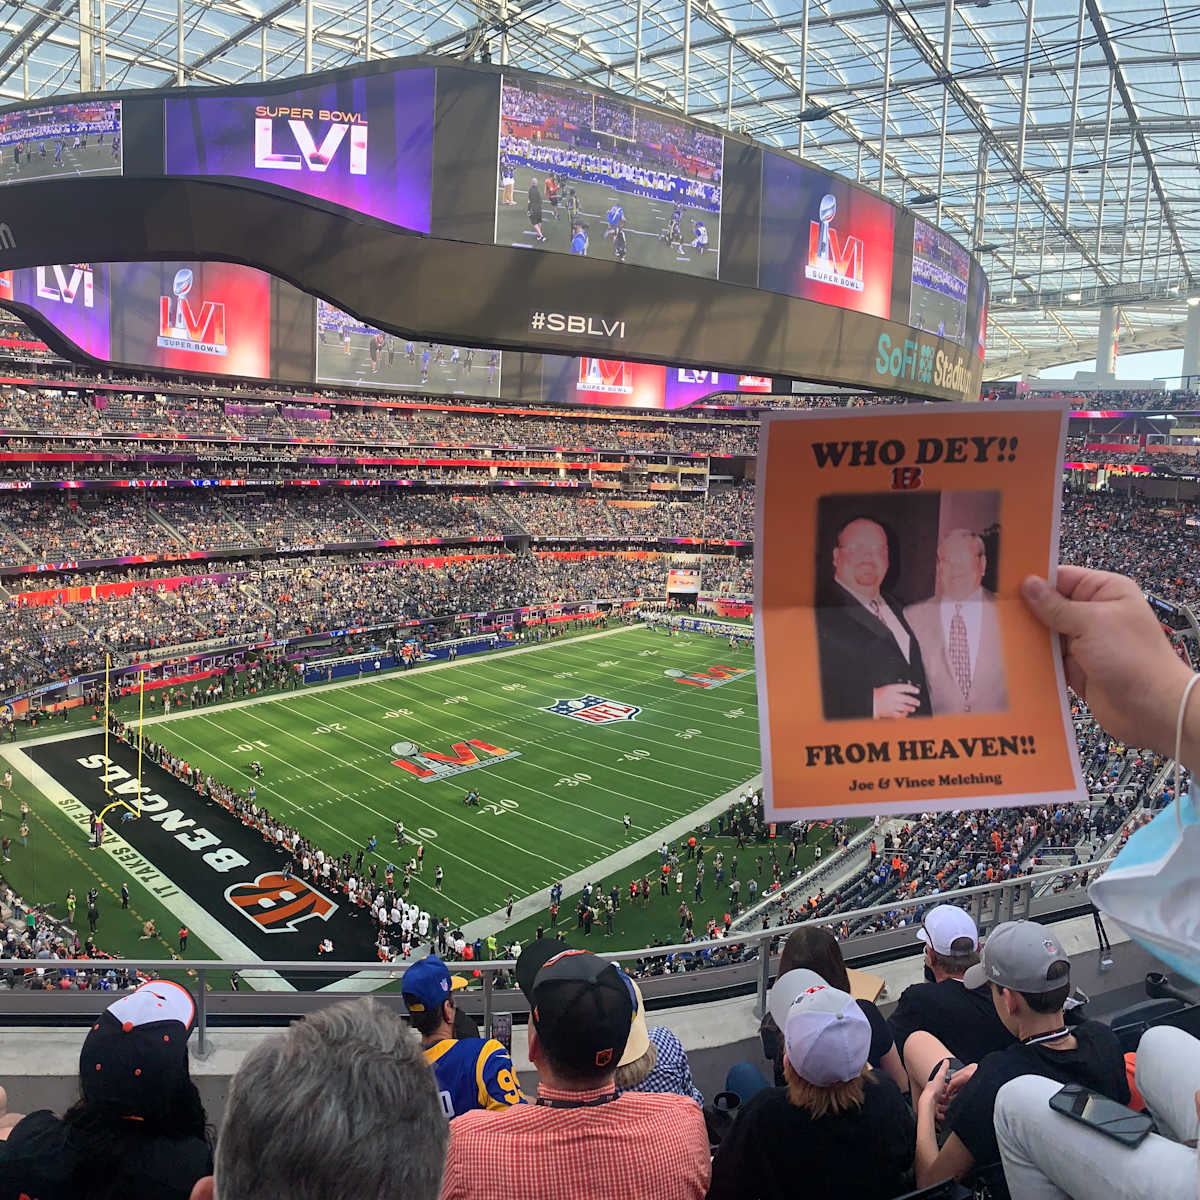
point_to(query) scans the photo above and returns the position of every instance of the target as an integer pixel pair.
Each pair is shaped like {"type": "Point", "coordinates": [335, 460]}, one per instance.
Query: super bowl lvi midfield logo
{"type": "Point", "coordinates": [429, 765]}
{"type": "Point", "coordinates": [279, 905]}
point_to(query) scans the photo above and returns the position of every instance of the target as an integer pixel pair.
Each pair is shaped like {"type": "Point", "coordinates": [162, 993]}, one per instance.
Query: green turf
{"type": "Point", "coordinates": [328, 766]}
{"type": "Point", "coordinates": [638, 925]}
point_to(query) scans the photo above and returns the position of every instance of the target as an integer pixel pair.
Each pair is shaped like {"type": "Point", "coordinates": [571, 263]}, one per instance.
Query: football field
{"type": "Point", "coordinates": [645, 220]}
{"type": "Point", "coordinates": [560, 741]}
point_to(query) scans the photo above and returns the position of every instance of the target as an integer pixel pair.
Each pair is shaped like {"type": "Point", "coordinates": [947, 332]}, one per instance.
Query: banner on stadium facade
{"type": "Point", "coordinates": [899, 670]}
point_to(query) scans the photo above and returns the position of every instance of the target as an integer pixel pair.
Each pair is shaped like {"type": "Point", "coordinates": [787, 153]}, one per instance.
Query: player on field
{"type": "Point", "coordinates": [534, 209]}
{"type": "Point", "coordinates": [579, 239]}
{"type": "Point", "coordinates": [700, 241]}
{"type": "Point", "coordinates": [615, 218]}
{"type": "Point", "coordinates": [572, 206]}
{"type": "Point", "coordinates": [625, 820]}
{"type": "Point", "coordinates": [620, 246]}
{"type": "Point", "coordinates": [553, 194]}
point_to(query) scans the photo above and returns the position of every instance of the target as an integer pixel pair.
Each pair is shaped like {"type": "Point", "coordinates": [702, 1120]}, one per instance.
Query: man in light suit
{"type": "Point", "coordinates": [959, 633]}
{"type": "Point", "coordinates": [870, 659]}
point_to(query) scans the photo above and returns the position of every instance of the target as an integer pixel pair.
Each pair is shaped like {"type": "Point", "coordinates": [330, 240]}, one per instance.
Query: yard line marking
{"type": "Point", "coordinates": [426, 803]}
{"type": "Point", "coordinates": [340, 832]}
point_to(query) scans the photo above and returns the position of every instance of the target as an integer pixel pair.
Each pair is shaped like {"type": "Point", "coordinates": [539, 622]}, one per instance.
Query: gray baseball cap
{"type": "Point", "coordinates": [1018, 955]}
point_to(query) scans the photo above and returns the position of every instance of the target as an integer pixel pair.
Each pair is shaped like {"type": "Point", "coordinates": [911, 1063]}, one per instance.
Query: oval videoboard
{"type": "Point", "coordinates": [497, 210]}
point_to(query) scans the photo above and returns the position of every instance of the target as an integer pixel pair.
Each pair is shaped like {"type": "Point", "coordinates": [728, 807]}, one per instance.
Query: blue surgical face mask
{"type": "Point", "coordinates": [1152, 890]}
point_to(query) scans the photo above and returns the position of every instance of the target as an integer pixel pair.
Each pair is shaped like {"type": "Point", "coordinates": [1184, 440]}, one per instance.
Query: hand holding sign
{"type": "Point", "coordinates": [1115, 654]}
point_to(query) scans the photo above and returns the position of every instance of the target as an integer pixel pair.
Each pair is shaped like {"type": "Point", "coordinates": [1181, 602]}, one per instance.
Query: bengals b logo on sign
{"type": "Point", "coordinates": [279, 905]}
{"type": "Point", "coordinates": [906, 479]}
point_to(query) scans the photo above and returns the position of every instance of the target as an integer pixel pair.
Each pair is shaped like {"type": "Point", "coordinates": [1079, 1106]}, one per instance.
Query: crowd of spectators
{"type": "Point", "coordinates": [1147, 538]}
{"type": "Point", "coordinates": [287, 599]}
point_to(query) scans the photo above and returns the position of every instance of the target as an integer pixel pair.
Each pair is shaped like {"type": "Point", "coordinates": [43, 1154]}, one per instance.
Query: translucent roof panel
{"type": "Point", "coordinates": [1057, 138]}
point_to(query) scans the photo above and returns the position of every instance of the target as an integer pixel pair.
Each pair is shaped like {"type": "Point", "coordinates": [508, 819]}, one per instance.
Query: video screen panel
{"type": "Point", "coordinates": [73, 297]}
{"type": "Point", "coordinates": [824, 239]}
{"type": "Point", "coordinates": [611, 383]}
{"type": "Point", "coordinates": [55, 140]}
{"type": "Point", "coordinates": [349, 351]}
{"type": "Point", "coordinates": [941, 272]}
{"type": "Point", "coordinates": [213, 318]}
{"type": "Point", "coordinates": [364, 144]}
{"type": "Point", "coordinates": [685, 386]}
{"type": "Point", "coordinates": [602, 177]}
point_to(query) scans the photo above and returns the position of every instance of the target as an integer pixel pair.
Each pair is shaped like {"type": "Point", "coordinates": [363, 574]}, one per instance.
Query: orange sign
{"type": "Point", "coordinates": [899, 670]}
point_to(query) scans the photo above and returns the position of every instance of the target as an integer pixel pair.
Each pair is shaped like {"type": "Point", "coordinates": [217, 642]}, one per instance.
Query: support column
{"type": "Point", "coordinates": [308, 36]}
{"type": "Point", "coordinates": [1191, 344]}
{"type": "Point", "coordinates": [883, 117]}
{"type": "Point", "coordinates": [86, 30]}
{"type": "Point", "coordinates": [179, 43]}
{"type": "Point", "coordinates": [1106, 342]}
{"type": "Point", "coordinates": [687, 55]}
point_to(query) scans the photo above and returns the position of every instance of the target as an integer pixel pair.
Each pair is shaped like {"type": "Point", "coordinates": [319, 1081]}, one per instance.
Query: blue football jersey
{"type": "Point", "coordinates": [473, 1073]}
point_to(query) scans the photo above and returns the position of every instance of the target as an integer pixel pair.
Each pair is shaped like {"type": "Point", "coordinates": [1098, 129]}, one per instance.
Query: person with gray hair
{"type": "Point", "coordinates": [958, 631]}
{"type": "Point", "coordinates": [341, 1106]}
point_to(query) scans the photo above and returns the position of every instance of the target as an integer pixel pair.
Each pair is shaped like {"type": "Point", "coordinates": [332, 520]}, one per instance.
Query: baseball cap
{"type": "Point", "coordinates": [947, 929]}
{"type": "Point", "coordinates": [427, 983]}
{"type": "Point", "coordinates": [639, 1035]}
{"type": "Point", "coordinates": [826, 1035]}
{"type": "Point", "coordinates": [135, 1056]}
{"type": "Point", "coordinates": [1018, 955]}
{"type": "Point", "coordinates": [581, 1005]}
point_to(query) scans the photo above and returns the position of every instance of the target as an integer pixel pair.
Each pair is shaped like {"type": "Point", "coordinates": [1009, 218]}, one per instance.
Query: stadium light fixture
{"type": "Point", "coordinates": [1074, 296]}
{"type": "Point", "coordinates": [924, 198]}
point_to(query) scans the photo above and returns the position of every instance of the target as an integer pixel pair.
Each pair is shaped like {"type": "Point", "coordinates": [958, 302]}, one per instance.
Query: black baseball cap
{"type": "Point", "coordinates": [135, 1056]}
{"type": "Point", "coordinates": [580, 1004]}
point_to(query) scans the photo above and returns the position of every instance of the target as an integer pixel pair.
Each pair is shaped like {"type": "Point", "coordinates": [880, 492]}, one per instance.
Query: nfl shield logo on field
{"type": "Point", "coordinates": [594, 710]}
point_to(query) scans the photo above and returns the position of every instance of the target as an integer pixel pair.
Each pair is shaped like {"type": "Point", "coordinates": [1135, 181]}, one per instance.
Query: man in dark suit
{"type": "Point", "coordinates": [870, 659]}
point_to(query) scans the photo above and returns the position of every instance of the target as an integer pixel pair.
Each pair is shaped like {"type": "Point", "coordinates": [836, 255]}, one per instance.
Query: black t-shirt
{"type": "Point", "coordinates": [881, 1039]}
{"type": "Point", "coordinates": [43, 1154]}
{"type": "Point", "coordinates": [1097, 1062]}
{"type": "Point", "coordinates": [964, 1021]}
{"type": "Point", "coordinates": [776, 1150]}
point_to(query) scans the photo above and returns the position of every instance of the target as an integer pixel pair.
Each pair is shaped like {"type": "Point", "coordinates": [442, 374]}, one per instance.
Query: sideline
{"type": "Point", "coordinates": [322, 688]}
{"type": "Point", "coordinates": [600, 870]}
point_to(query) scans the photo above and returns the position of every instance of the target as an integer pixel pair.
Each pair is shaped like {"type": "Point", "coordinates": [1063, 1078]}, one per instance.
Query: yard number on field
{"type": "Point", "coordinates": [572, 780]}
{"type": "Point", "coordinates": [250, 747]}
{"type": "Point", "coordinates": [332, 727]}
{"type": "Point", "coordinates": [500, 808]}
{"type": "Point", "coordinates": [688, 734]}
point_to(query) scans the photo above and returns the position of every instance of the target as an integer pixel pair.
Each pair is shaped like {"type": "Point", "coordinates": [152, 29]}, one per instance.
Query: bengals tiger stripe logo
{"type": "Point", "coordinates": [279, 905]}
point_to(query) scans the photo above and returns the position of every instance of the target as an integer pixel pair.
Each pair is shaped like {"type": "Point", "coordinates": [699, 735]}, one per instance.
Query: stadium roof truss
{"type": "Point", "coordinates": [1056, 138]}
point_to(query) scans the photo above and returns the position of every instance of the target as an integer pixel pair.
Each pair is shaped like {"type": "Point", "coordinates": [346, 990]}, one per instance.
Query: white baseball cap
{"type": "Point", "coordinates": [639, 1034]}
{"type": "Point", "coordinates": [826, 1034]}
{"type": "Point", "coordinates": [947, 929]}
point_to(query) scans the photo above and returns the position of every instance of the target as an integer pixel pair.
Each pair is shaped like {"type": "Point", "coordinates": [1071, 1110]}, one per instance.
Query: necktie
{"type": "Point", "coordinates": [960, 652]}
{"type": "Point", "coordinates": [877, 609]}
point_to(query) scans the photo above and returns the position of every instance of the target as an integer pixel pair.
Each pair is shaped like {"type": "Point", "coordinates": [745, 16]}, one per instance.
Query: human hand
{"type": "Point", "coordinates": [1116, 656]}
{"type": "Point", "coordinates": [895, 700]}
{"type": "Point", "coordinates": [955, 1084]}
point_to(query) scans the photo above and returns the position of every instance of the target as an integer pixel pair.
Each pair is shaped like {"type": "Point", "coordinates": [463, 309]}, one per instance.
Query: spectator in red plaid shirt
{"type": "Point", "coordinates": [581, 1138]}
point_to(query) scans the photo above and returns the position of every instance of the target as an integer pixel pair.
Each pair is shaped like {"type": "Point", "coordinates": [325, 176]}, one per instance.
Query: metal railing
{"type": "Point", "coordinates": [989, 905]}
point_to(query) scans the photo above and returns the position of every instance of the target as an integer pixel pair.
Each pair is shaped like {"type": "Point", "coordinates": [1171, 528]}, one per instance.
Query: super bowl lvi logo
{"type": "Point", "coordinates": [277, 904]}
